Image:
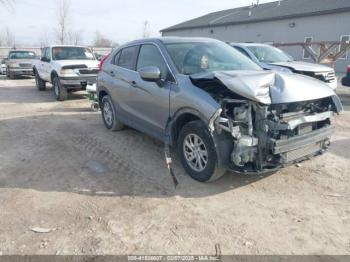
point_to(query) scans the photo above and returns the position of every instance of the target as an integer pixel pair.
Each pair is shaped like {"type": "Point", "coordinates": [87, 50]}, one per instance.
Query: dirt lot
{"type": "Point", "coordinates": [110, 193]}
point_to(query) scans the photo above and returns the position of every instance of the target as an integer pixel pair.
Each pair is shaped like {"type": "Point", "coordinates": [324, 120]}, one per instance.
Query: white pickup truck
{"type": "Point", "coordinates": [68, 68]}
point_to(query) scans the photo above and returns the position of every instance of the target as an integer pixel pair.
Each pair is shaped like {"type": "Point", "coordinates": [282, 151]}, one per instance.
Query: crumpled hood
{"type": "Point", "coordinates": [268, 87]}
{"type": "Point", "coordinates": [304, 66]}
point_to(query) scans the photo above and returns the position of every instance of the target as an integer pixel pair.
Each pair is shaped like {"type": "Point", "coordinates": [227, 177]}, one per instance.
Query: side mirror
{"type": "Point", "coordinates": [150, 73]}
{"type": "Point", "coordinates": [45, 59]}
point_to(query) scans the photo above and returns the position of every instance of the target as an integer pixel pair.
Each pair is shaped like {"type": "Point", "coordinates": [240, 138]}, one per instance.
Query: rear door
{"type": "Point", "coordinates": [121, 72]}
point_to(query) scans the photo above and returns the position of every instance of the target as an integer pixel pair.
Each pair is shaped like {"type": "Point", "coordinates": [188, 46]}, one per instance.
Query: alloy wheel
{"type": "Point", "coordinates": [108, 113]}
{"type": "Point", "coordinates": [195, 152]}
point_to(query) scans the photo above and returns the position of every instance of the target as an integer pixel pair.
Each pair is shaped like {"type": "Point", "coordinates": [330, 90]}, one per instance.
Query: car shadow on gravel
{"type": "Point", "coordinates": [17, 78]}
{"type": "Point", "coordinates": [341, 148]}
{"type": "Point", "coordinates": [72, 110]}
{"type": "Point", "coordinates": [29, 94]}
{"type": "Point", "coordinates": [345, 99]}
{"type": "Point", "coordinates": [70, 153]}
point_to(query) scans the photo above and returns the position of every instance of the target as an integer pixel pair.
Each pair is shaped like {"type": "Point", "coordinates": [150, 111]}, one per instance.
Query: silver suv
{"type": "Point", "coordinates": [19, 63]}
{"type": "Point", "coordinates": [217, 107]}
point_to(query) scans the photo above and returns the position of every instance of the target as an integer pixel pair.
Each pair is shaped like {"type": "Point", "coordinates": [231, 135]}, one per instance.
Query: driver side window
{"type": "Point", "coordinates": [150, 56]}
{"type": "Point", "coordinates": [46, 54]}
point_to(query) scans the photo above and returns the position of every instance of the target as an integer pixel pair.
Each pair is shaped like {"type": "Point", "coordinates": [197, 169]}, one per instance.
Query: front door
{"type": "Point", "coordinates": [45, 64]}
{"type": "Point", "coordinates": [150, 100]}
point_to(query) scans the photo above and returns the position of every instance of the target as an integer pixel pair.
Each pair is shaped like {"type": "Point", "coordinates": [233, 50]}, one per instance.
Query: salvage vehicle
{"type": "Point", "coordinates": [68, 68]}
{"type": "Point", "coordinates": [19, 63]}
{"type": "Point", "coordinates": [217, 107]}
{"type": "Point", "coordinates": [272, 58]}
{"type": "Point", "coordinates": [346, 80]}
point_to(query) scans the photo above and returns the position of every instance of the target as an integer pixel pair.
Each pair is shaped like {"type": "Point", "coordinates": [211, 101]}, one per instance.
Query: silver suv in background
{"type": "Point", "coordinates": [19, 63]}
{"type": "Point", "coordinates": [272, 58]}
{"type": "Point", "coordinates": [3, 66]}
{"type": "Point", "coordinates": [217, 107]}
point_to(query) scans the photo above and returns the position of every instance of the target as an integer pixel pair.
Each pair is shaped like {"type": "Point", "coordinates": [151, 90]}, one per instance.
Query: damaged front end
{"type": "Point", "coordinates": [267, 136]}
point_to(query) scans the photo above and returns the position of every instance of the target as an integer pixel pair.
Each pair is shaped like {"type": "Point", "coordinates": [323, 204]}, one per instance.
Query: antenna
{"type": "Point", "coordinates": [279, 2]}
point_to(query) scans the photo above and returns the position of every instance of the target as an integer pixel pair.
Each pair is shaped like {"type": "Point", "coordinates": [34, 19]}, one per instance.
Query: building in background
{"type": "Point", "coordinates": [275, 22]}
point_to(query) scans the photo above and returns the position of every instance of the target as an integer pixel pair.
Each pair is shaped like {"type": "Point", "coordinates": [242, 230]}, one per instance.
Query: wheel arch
{"type": "Point", "coordinates": [223, 142]}
{"type": "Point", "coordinates": [102, 92]}
{"type": "Point", "coordinates": [180, 119]}
{"type": "Point", "coordinates": [52, 75]}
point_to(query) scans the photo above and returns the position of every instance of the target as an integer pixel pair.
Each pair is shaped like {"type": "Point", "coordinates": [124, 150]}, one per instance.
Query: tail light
{"type": "Point", "coordinates": [348, 69]}
{"type": "Point", "coordinates": [100, 65]}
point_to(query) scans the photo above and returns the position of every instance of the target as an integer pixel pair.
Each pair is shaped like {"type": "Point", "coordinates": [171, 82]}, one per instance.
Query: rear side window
{"type": "Point", "coordinates": [46, 53]}
{"type": "Point", "coordinates": [240, 49]}
{"type": "Point", "coordinates": [115, 60]}
{"type": "Point", "coordinates": [150, 56]}
{"type": "Point", "coordinates": [43, 52]}
{"type": "Point", "coordinates": [128, 57]}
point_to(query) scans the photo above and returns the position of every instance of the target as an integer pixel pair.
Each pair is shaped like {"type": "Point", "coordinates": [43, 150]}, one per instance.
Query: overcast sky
{"type": "Point", "coordinates": [119, 20]}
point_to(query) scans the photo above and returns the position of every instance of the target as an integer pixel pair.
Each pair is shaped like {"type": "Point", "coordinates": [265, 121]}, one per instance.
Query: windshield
{"type": "Point", "coordinates": [269, 54]}
{"type": "Point", "coordinates": [22, 55]}
{"type": "Point", "coordinates": [192, 58]}
{"type": "Point", "coordinates": [72, 53]}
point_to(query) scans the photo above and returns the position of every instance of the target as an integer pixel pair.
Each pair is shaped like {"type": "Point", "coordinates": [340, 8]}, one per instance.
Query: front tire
{"type": "Point", "coordinates": [197, 152]}
{"type": "Point", "coordinates": [109, 115]}
{"type": "Point", "coordinates": [40, 84]}
{"type": "Point", "coordinates": [9, 74]}
{"type": "Point", "coordinates": [59, 90]}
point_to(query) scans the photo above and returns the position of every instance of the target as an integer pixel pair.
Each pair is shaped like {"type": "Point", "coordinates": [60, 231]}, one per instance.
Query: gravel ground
{"type": "Point", "coordinates": [101, 192]}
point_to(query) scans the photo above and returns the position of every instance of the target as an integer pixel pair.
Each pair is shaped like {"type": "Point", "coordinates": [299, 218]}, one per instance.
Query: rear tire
{"type": "Point", "coordinates": [197, 152]}
{"type": "Point", "coordinates": [59, 90]}
{"type": "Point", "coordinates": [40, 84]}
{"type": "Point", "coordinates": [109, 115]}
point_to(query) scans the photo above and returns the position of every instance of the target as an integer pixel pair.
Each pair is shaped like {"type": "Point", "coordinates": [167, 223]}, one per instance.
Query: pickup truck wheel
{"type": "Point", "coordinates": [109, 115]}
{"type": "Point", "coordinates": [59, 90]}
{"type": "Point", "coordinates": [40, 84]}
{"type": "Point", "coordinates": [197, 152]}
{"type": "Point", "coordinates": [9, 74]}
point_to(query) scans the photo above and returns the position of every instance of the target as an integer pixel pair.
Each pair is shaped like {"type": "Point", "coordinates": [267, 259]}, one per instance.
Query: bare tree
{"type": "Point", "coordinates": [75, 37]}
{"type": "Point", "coordinates": [7, 38]}
{"type": "Point", "coordinates": [63, 17]}
{"type": "Point", "coordinates": [2, 39]}
{"type": "Point", "coordinates": [101, 41]}
{"type": "Point", "coordinates": [44, 39]}
{"type": "Point", "coordinates": [146, 29]}
{"type": "Point", "coordinates": [8, 4]}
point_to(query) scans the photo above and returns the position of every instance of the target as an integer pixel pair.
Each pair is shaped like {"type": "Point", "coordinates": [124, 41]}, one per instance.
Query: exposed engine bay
{"type": "Point", "coordinates": [268, 136]}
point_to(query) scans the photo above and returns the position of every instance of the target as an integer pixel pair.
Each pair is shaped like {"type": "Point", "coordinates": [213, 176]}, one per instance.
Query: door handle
{"type": "Point", "coordinates": [112, 73]}
{"type": "Point", "coordinates": [133, 84]}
